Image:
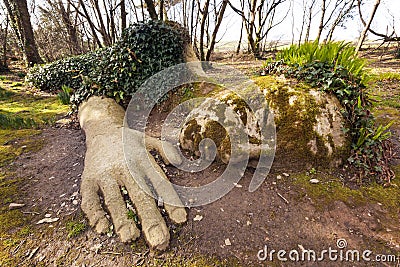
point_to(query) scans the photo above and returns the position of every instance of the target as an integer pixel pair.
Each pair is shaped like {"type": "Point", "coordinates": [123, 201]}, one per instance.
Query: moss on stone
{"type": "Point", "coordinates": [294, 121]}
{"type": "Point", "coordinates": [239, 105]}
{"type": "Point", "coordinates": [215, 131]}
{"type": "Point", "coordinates": [192, 132]}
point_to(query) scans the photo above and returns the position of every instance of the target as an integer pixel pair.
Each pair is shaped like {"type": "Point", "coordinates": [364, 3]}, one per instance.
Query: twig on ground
{"type": "Point", "coordinates": [283, 198]}
{"type": "Point", "coordinates": [110, 253]}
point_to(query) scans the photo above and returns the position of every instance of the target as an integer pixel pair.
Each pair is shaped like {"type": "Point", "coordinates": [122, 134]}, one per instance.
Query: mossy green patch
{"type": "Point", "coordinates": [17, 102]}
{"type": "Point", "coordinates": [215, 131]}
{"type": "Point", "coordinates": [389, 197]}
{"type": "Point", "coordinates": [331, 189]}
{"type": "Point", "coordinates": [75, 228]}
{"type": "Point", "coordinates": [327, 191]}
{"type": "Point", "coordinates": [375, 77]}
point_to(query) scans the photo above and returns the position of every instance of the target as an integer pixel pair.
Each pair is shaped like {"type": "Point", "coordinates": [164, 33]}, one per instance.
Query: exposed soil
{"type": "Point", "coordinates": [280, 214]}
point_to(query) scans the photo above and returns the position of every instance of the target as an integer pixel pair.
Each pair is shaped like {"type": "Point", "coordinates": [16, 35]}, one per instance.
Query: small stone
{"type": "Point", "coordinates": [75, 202]}
{"type": "Point", "coordinates": [75, 194]}
{"type": "Point", "coordinates": [13, 206]}
{"type": "Point", "coordinates": [228, 242]}
{"type": "Point", "coordinates": [286, 174]}
{"type": "Point", "coordinates": [237, 185]}
{"type": "Point", "coordinates": [248, 223]}
{"type": "Point", "coordinates": [222, 209]}
{"type": "Point", "coordinates": [63, 195]}
{"type": "Point", "coordinates": [198, 218]}
{"type": "Point", "coordinates": [51, 178]}
{"type": "Point", "coordinates": [314, 181]}
{"type": "Point", "coordinates": [47, 215]}
{"type": "Point", "coordinates": [160, 202]}
{"type": "Point", "coordinates": [278, 177]}
{"type": "Point", "coordinates": [47, 220]}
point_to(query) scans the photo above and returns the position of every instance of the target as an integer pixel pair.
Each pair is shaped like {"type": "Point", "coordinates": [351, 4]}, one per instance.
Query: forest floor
{"type": "Point", "coordinates": [42, 162]}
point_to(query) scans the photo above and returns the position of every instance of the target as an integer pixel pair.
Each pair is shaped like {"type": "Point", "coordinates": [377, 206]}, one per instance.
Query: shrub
{"type": "Point", "coordinates": [117, 71]}
{"type": "Point", "coordinates": [65, 95]}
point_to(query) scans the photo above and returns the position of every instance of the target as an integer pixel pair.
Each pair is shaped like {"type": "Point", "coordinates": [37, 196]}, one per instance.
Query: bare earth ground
{"type": "Point", "coordinates": [282, 214]}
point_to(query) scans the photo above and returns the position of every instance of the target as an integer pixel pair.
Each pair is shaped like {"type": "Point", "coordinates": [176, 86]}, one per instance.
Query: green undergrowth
{"type": "Point", "coordinates": [119, 70]}
{"type": "Point", "coordinates": [334, 68]}
{"type": "Point", "coordinates": [384, 89]}
{"type": "Point", "coordinates": [20, 108]}
{"type": "Point", "coordinates": [75, 227]}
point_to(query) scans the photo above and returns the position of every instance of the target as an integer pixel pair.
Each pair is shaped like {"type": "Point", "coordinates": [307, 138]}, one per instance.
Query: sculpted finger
{"type": "Point", "coordinates": [166, 191]}
{"type": "Point", "coordinates": [124, 226]}
{"type": "Point", "coordinates": [154, 227]}
{"type": "Point", "coordinates": [91, 205]}
{"type": "Point", "coordinates": [167, 151]}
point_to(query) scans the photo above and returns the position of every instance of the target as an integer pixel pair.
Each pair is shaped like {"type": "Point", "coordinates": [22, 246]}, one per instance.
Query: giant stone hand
{"type": "Point", "coordinates": [106, 171]}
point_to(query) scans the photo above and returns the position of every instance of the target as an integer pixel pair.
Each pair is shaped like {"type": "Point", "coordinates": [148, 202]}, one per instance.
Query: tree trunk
{"type": "Point", "coordinates": [214, 34]}
{"type": "Point", "coordinates": [102, 30]}
{"type": "Point", "coordinates": [240, 38]}
{"type": "Point", "coordinates": [3, 60]}
{"type": "Point", "coordinates": [151, 9]}
{"type": "Point", "coordinates": [321, 23]}
{"type": "Point", "coordinates": [20, 21]}
{"type": "Point", "coordinates": [71, 29]}
{"type": "Point", "coordinates": [364, 32]}
{"type": "Point", "coordinates": [203, 29]}
{"type": "Point", "coordinates": [123, 15]}
{"type": "Point", "coordinates": [161, 11]}
{"type": "Point", "coordinates": [91, 25]}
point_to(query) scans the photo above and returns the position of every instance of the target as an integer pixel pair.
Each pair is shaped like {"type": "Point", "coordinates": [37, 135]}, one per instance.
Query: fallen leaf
{"type": "Point", "coordinates": [198, 218]}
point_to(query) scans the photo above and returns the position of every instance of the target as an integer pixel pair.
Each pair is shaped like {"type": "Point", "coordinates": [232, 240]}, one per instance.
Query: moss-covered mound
{"type": "Point", "coordinates": [308, 125]}
{"type": "Point", "coordinates": [117, 71]}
